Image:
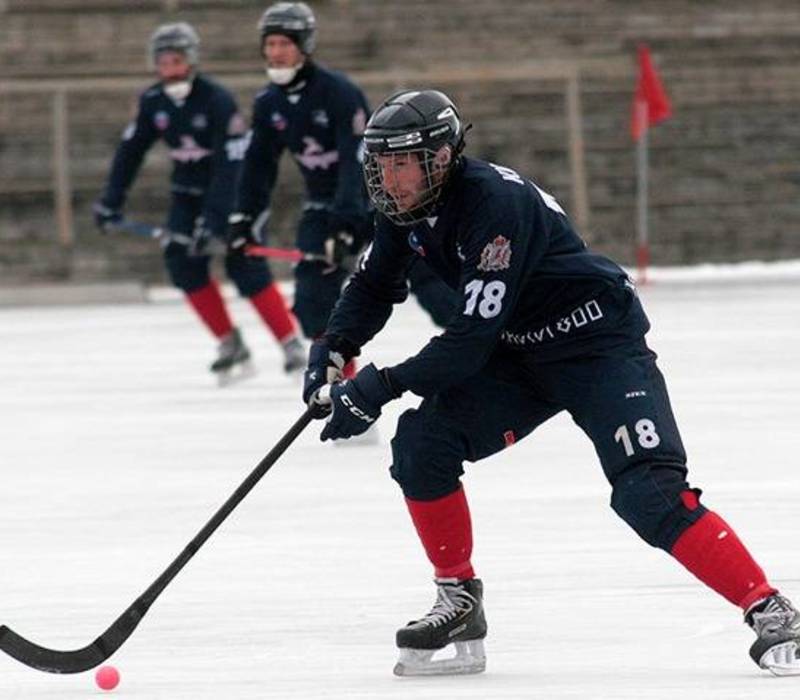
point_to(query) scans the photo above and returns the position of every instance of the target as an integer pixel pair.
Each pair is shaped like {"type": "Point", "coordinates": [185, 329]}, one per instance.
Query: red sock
{"type": "Point", "coordinates": [711, 550]}
{"type": "Point", "coordinates": [210, 306]}
{"type": "Point", "coordinates": [445, 528]}
{"type": "Point", "coordinates": [271, 306]}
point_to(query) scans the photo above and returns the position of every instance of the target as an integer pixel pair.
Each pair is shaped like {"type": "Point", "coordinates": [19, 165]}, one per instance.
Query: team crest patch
{"type": "Point", "coordinates": [199, 122]}
{"type": "Point", "coordinates": [496, 255]}
{"type": "Point", "coordinates": [279, 121]}
{"type": "Point", "coordinates": [161, 120]}
{"type": "Point", "coordinates": [320, 118]}
{"type": "Point", "coordinates": [413, 241]}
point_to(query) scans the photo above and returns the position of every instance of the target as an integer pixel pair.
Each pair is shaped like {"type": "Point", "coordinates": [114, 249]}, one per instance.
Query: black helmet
{"type": "Point", "coordinates": [180, 36]}
{"type": "Point", "coordinates": [292, 19]}
{"type": "Point", "coordinates": [412, 121]}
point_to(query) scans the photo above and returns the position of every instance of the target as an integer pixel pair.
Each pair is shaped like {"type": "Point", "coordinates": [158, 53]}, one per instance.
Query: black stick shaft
{"type": "Point", "coordinates": [55, 661]}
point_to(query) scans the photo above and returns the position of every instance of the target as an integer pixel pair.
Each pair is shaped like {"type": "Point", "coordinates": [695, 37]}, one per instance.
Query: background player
{"type": "Point", "coordinates": [545, 325]}
{"type": "Point", "coordinates": [318, 115]}
{"type": "Point", "coordinates": [200, 123]}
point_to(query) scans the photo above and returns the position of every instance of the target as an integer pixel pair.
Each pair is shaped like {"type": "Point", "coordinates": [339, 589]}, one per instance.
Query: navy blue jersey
{"type": "Point", "coordinates": [205, 135]}
{"type": "Point", "coordinates": [320, 120]}
{"type": "Point", "coordinates": [524, 277]}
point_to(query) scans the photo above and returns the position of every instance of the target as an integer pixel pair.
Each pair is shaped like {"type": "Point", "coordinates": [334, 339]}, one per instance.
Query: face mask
{"type": "Point", "coordinates": [282, 76]}
{"type": "Point", "coordinates": [178, 90]}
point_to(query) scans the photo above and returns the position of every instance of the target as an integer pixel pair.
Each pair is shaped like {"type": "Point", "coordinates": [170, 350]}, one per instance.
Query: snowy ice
{"type": "Point", "coordinates": [116, 448]}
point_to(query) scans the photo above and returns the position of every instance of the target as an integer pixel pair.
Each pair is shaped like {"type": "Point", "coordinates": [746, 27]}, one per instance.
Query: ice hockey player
{"type": "Point", "coordinates": [545, 325]}
{"type": "Point", "coordinates": [199, 121]}
{"type": "Point", "coordinates": [318, 115]}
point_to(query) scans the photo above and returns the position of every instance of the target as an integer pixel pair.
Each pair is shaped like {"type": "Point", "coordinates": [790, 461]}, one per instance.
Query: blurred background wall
{"type": "Point", "coordinates": [548, 85]}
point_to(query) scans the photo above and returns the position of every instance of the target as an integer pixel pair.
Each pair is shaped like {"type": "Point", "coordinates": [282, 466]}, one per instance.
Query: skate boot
{"type": "Point", "coordinates": [777, 624]}
{"type": "Point", "coordinates": [233, 359]}
{"type": "Point", "coordinates": [456, 618]}
{"type": "Point", "coordinates": [295, 357]}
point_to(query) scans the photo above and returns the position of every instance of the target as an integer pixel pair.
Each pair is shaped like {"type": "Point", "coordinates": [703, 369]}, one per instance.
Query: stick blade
{"type": "Point", "coordinates": [77, 660]}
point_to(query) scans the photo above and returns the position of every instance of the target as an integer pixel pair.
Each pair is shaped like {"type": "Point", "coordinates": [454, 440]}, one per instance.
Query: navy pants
{"type": "Point", "coordinates": [316, 290]}
{"type": "Point", "coordinates": [192, 272]}
{"type": "Point", "coordinates": [616, 396]}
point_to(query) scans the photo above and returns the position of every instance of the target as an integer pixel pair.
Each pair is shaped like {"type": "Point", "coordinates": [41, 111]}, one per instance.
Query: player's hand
{"type": "Point", "coordinates": [356, 403]}
{"type": "Point", "coordinates": [103, 216]}
{"type": "Point", "coordinates": [240, 233]}
{"type": "Point", "coordinates": [324, 367]}
{"type": "Point", "coordinates": [337, 247]}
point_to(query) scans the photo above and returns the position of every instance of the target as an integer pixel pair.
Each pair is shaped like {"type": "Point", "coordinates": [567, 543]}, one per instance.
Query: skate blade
{"type": "Point", "coordinates": [237, 373]}
{"type": "Point", "coordinates": [782, 659]}
{"type": "Point", "coordinates": [470, 658]}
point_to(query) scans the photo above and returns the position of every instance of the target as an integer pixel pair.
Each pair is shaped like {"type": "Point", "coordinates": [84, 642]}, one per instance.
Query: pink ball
{"type": "Point", "coordinates": [107, 678]}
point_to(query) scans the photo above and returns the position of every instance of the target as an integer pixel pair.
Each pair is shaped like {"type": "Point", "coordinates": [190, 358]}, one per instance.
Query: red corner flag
{"type": "Point", "coordinates": [650, 104]}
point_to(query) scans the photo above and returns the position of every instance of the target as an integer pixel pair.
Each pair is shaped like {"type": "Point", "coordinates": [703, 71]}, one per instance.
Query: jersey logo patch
{"type": "Point", "coordinates": [189, 151]}
{"type": "Point", "coordinates": [320, 117]}
{"type": "Point", "coordinates": [413, 241]}
{"type": "Point", "coordinates": [278, 121]}
{"type": "Point", "coordinates": [161, 120]}
{"type": "Point", "coordinates": [315, 156]}
{"type": "Point", "coordinates": [496, 255]}
{"type": "Point", "coordinates": [199, 122]}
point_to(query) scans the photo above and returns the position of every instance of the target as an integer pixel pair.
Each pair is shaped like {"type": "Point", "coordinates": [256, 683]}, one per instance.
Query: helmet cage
{"type": "Point", "coordinates": [434, 178]}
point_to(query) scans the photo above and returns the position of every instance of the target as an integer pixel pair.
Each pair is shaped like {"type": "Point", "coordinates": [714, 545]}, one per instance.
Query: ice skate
{"type": "Point", "coordinates": [777, 624]}
{"type": "Point", "coordinates": [456, 619]}
{"type": "Point", "coordinates": [233, 360]}
{"type": "Point", "coordinates": [295, 357]}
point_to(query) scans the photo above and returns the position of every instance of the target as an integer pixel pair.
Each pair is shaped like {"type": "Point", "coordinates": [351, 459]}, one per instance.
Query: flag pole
{"type": "Point", "coordinates": [642, 233]}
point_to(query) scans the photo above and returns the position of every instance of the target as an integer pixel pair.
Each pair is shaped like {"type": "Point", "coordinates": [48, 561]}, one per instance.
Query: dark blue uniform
{"type": "Point", "coordinates": [319, 118]}
{"type": "Point", "coordinates": [205, 135]}
{"type": "Point", "coordinates": [544, 325]}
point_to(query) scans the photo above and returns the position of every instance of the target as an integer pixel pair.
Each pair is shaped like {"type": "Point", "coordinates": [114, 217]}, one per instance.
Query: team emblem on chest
{"type": "Point", "coordinates": [320, 118]}
{"type": "Point", "coordinates": [161, 120]}
{"type": "Point", "coordinates": [496, 255]}
{"type": "Point", "coordinates": [278, 121]}
{"type": "Point", "coordinates": [199, 122]}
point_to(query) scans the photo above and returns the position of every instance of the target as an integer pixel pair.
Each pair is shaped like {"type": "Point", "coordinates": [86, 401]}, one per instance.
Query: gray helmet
{"type": "Point", "coordinates": [419, 122]}
{"type": "Point", "coordinates": [292, 19]}
{"type": "Point", "coordinates": [180, 36]}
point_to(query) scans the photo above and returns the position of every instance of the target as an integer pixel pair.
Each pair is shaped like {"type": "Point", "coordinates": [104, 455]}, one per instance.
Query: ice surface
{"type": "Point", "coordinates": [116, 447]}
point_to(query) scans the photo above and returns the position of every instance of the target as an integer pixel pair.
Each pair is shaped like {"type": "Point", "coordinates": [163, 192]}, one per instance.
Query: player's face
{"type": "Point", "coordinates": [172, 66]}
{"type": "Point", "coordinates": [281, 52]}
{"type": "Point", "coordinates": [403, 178]}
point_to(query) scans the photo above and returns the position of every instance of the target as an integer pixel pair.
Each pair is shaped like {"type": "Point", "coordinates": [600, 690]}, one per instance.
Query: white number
{"type": "Point", "coordinates": [508, 174]}
{"type": "Point", "coordinates": [645, 429]}
{"type": "Point", "coordinates": [492, 302]}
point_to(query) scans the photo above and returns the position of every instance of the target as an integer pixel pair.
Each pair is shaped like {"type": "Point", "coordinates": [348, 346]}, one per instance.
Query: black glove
{"type": "Point", "coordinates": [356, 403]}
{"type": "Point", "coordinates": [337, 247]}
{"type": "Point", "coordinates": [240, 233]}
{"type": "Point", "coordinates": [104, 215]}
{"type": "Point", "coordinates": [324, 367]}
